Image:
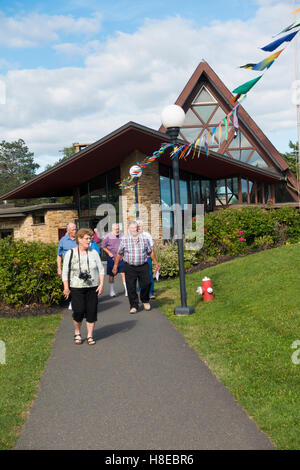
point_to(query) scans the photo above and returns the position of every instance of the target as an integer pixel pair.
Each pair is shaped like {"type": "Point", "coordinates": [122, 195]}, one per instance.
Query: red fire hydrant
{"type": "Point", "coordinates": [206, 290]}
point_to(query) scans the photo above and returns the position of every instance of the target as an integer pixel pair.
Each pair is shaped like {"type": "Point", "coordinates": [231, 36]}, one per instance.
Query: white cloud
{"type": "Point", "coordinates": [73, 49]}
{"type": "Point", "coordinates": [133, 76]}
{"type": "Point", "coordinates": [36, 29]}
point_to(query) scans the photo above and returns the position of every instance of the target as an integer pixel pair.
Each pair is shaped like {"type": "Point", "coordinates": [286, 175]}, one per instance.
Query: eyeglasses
{"type": "Point", "coordinates": [87, 238]}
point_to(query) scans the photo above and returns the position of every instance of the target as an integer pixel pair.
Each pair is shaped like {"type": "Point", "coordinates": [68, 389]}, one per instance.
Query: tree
{"type": "Point", "coordinates": [16, 165]}
{"type": "Point", "coordinates": [292, 157]}
{"type": "Point", "coordinates": [67, 152]}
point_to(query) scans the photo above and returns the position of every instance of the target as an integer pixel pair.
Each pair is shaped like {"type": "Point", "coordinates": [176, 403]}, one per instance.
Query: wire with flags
{"type": "Point", "coordinates": [266, 63]}
{"type": "Point", "coordinates": [208, 136]}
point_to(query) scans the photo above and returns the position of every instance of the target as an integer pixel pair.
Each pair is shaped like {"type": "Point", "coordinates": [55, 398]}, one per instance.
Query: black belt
{"type": "Point", "coordinates": [136, 265]}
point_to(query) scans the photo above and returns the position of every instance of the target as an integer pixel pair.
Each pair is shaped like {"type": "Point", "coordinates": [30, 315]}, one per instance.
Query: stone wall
{"type": "Point", "coordinates": [47, 232]}
{"type": "Point", "coordinates": [148, 196]}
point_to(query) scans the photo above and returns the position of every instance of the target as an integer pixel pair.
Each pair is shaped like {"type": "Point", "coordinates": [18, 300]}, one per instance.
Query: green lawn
{"type": "Point", "coordinates": [28, 342]}
{"type": "Point", "coordinates": [245, 335]}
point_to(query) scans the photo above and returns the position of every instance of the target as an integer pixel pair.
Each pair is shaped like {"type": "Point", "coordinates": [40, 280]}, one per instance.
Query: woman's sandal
{"type": "Point", "coordinates": [90, 341]}
{"type": "Point", "coordinates": [76, 340]}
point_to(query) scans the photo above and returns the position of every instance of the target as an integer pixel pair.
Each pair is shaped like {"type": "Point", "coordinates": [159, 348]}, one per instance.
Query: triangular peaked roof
{"type": "Point", "coordinates": [204, 76]}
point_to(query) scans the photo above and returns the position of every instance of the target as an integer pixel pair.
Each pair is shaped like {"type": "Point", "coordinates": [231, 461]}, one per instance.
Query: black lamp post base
{"type": "Point", "coordinates": [184, 310]}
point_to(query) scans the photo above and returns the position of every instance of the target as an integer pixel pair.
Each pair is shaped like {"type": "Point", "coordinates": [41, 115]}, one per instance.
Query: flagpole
{"type": "Point", "coordinates": [298, 112]}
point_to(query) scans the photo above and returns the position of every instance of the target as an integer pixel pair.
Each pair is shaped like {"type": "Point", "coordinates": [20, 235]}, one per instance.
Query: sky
{"type": "Point", "coordinates": [76, 70]}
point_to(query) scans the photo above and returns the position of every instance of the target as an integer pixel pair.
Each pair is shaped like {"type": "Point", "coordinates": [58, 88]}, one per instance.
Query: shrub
{"type": "Point", "coordinates": [236, 231]}
{"type": "Point", "coordinates": [28, 273]}
{"type": "Point", "coordinates": [167, 257]}
{"type": "Point", "coordinates": [233, 232]}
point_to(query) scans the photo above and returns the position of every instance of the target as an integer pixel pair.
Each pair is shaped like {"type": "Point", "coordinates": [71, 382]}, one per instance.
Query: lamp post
{"type": "Point", "coordinates": [135, 172]}
{"type": "Point", "coordinates": [172, 118]}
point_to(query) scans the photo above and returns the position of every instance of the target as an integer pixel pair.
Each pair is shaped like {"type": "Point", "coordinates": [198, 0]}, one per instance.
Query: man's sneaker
{"type": "Point", "coordinates": [147, 306]}
{"type": "Point", "coordinates": [152, 296]}
{"type": "Point", "coordinates": [133, 310]}
{"type": "Point", "coordinates": [113, 294]}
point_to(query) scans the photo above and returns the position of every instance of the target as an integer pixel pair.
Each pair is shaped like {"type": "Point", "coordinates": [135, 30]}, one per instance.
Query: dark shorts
{"type": "Point", "coordinates": [110, 265]}
{"type": "Point", "coordinates": [84, 303]}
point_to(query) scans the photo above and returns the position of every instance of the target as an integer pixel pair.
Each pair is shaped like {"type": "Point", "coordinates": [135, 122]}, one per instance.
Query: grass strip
{"type": "Point", "coordinates": [245, 334]}
{"type": "Point", "coordinates": [28, 342]}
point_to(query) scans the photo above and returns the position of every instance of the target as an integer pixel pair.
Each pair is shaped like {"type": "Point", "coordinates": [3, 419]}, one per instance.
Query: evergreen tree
{"type": "Point", "coordinates": [292, 157]}
{"type": "Point", "coordinates": [67, 152]}
{"type": "Point", "coordinates": [16, 165]}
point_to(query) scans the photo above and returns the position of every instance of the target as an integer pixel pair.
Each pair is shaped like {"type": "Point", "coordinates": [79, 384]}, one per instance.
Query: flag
{"type": "Point", "coordinates": [264, 64]}
{"type": "Point", "coordinates": [273, 45]}
{"type": "Point", "coordinates": [243, 89]}
{"type": "Point", "coordinates": [296, 11]}
{"type": "Point", "coordinates": [290, 27]}
{"type": "Point", "coordinates": [235, 117]}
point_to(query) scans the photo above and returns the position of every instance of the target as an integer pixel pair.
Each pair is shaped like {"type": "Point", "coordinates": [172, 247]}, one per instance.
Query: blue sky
{"type": "Point", "coordinates": [117, 15]}
{"type": "Point", "coordinates": [76, 70]}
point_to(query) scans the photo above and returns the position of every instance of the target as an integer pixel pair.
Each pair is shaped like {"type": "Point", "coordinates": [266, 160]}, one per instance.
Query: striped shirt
{"type": "Point", "coordinates": [134, 251]}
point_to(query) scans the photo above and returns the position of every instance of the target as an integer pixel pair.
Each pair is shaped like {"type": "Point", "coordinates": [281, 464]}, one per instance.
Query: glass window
{"type": "Point", "coordinates": [167, 225]}
{"type": "Point", "coordinates": [244, 142]}
{"type": "Point", "coordinates": [205, 111]}
{"type": "Point", "coordinates": [236, 154]}
{"type": "Point", "coordinates": [240, 141]}
{"type": "Point", "coordinates": [245, 154]}
{"type": "Point", "coordinates": [252, 187]}
{"type": "Point", "coordinates": [97, 191]}
{"type": "Point", "coordinates": [38, 219]}
{"type": "Point", "coordinates": [191, 119]}
{"type": "Point", "coordinates": [84, 199]}
{"type": "Point", "coordinates": [232, 191]}
{"type": "Point", "coordinates": [204, 96]}
{"type": "Point", "coordinates": [205, 194]}
{"type": "Point", "coordinates": [222, 133]}
{"type": "Point", "coordinates": [244, 186]}
{"type": "Point", "coordinates": [113, 190]}
{"type": "Point", "coordinates": [220, 192]}
{"type": "Point", "coordinates": [6, 232]}
{"type": "Point", "coordinates": [196, 192]}
{"type": "Point", "coordinates": [218, 116]}
{"type": "Point", "coordinates": [267, 192]}
{"type": "Point", "coordinates": [260, 198]}
{"type": "Point", "coordinates": [258, 161]}
{"type": "Point", "coordinates": [190, 134]}
{"type": "Point", "coordinates": [165, 192]}
{"type": "Point", "coordinates": [183, 187]}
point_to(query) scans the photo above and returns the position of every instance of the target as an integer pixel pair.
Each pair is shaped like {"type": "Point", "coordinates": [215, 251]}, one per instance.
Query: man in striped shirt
{"type": "Point", "coordinates": [135, 248]}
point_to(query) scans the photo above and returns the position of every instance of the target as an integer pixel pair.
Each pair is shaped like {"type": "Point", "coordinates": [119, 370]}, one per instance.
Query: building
{"type": "Point", "coordinates": [43, 222]}
{"type": "Point", "coordinates": [243, 169]}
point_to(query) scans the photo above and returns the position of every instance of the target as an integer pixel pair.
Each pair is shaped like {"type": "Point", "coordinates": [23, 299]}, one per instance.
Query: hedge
{"type": "Point", "coordinates": [28, 273]}
{"type": "Point", "coordinates": [233, 232]}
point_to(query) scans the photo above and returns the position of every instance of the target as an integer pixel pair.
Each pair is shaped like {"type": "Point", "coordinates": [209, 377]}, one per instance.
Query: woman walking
{"type": "Point", "coordinates": [83, 277]}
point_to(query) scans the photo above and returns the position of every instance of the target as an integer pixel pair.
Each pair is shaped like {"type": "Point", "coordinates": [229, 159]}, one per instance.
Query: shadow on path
{"type": "Point", "coordinates": [111, 330]}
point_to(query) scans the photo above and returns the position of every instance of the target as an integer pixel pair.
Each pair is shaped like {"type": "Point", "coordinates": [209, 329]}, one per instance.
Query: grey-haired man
{"type": "Point", "coordinates": [135, 248]}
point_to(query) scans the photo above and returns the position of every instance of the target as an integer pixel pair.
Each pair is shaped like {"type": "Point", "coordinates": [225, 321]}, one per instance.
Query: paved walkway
{"type": "Point", "coordinates": [140, 387]}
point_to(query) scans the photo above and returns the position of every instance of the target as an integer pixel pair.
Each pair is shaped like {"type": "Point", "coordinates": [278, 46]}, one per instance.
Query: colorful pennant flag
{"type": "Point", "coordinates": [264, 64]}
{"type": "Point", "coordinates": [273, 45]}
{"type": "Point", "coordinates": [290, 27]}
{"type": "Point", "coordinates": [296, 11]}
{"type": "Point", "coordinates": [243, 89]}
